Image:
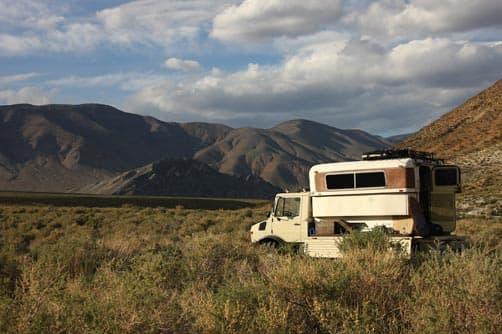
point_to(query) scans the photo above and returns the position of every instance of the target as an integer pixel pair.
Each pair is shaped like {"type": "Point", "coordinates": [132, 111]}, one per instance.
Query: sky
{"type": "Point", "coordinates": [387, 67]}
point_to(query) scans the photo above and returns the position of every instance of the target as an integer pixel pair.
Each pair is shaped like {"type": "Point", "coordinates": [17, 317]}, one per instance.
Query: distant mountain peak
{"type": "Point", "coordinates": [299, 124]}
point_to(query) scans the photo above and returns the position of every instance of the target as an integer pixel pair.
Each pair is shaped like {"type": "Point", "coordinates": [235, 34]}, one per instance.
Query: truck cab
{"type": "Point", "coordinates": [287, 221]}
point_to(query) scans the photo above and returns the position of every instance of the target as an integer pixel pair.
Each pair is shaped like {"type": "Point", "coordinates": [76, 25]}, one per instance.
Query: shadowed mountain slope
{"type": "Point", "coordinates": [398, 138]}
{"type": "Point", "coordinates": [183, 178]}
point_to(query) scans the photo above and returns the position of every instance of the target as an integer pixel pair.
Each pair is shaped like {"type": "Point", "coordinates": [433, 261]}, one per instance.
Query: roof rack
{"type": "Point", "coordinates": [400, 153]}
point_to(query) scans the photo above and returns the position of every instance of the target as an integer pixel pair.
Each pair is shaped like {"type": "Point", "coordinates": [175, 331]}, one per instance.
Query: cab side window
{"type": "Point", "coordinates": [288, 207]}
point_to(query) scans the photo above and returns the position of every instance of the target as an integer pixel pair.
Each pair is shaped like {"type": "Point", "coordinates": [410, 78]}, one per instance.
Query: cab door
{"type": "Point", "coordinates": [446, 182]}
{"type": "Point", "coordinates": [287, 220]}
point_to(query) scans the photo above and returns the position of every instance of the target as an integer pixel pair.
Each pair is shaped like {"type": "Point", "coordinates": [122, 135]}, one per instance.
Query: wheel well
{"type": "Point", "coordinates": [271, 241]}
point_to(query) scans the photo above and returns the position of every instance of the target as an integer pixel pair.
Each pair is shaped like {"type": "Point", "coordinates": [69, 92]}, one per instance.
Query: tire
{"type": "Point", "coordinates": [269, 244]}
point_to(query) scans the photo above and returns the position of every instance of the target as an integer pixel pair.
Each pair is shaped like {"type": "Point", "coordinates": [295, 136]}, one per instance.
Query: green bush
{"type": "Point", "coordinates": [377, 240]}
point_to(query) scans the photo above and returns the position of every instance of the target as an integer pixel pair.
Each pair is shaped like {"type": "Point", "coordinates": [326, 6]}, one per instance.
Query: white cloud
{"type": "Point", "coordinates": [255, 20]}
{"type": "Point", "coordinates": [356, 83]}
{"type": "Point", "coordinates": [288, 45]}
{"type": "Point", "coordinates": [127, 81]}
{"type": "Point", "coordinates": [32, 95]}
{"type": "Point", "coordinates": [8, 79]}
{"type": "Point", "coordinates": [30, 14]}
{"type": "Point", "coordinates": [16, 45]}
{"type": "Point", "coordinates": [181, 64]}
{"type": "Point", "coordinates": [29, 26]}
{"type": "Point", "coordinates": [74, 38]}
{"type": "Point", "coordinates": [157, 21]}
{"type": "Point", "coordinates": [415, 18]}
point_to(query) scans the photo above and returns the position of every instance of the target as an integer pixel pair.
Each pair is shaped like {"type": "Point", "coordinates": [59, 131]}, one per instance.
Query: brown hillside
{"type": "Point", "coordinates": [284, 154]}
{"type": "Point", "coordinates": [473, 126]}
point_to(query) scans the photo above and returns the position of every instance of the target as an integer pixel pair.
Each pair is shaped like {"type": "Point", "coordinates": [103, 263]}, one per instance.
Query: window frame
{"type": "Point", "coordinates": [276, 209]}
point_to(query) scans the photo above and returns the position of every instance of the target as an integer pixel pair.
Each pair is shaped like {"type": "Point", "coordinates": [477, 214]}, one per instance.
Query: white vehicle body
{"type": "Point", "coordinates": [413, 199]}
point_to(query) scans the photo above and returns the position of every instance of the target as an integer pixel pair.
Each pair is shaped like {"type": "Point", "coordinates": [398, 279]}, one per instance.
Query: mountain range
{"type": "Point", "coordinates": [72, 148]}
{"type": "Point", "coordinates": [100, 149]}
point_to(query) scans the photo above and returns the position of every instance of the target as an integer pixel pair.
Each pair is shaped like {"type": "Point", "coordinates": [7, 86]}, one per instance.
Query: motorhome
{"type": "Point", "coordinates": [411, 194]}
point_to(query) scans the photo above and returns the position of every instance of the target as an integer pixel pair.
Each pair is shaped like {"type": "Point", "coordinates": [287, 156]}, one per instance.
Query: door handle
{"type": "Point", "coordinates": [297, 224]}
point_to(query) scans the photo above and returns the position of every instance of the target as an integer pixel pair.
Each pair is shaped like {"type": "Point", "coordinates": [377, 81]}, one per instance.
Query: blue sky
{"type": "Point", "coordinates": [386, 67]}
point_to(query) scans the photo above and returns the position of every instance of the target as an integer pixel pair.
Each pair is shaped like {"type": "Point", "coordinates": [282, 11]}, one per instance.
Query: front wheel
{"type": "Point", "coordinates": [269, 243]}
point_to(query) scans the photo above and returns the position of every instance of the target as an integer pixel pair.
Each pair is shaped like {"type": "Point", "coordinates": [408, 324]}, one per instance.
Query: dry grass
{"type": "Point", "coordinates": [175, 270]}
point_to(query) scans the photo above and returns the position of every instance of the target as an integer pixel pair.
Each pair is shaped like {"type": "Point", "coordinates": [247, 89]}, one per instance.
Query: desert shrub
{"type": "Point", "coordinates": [457, 293]}
{"type": "Point", "coordinates": [9, 272]}
{"type": "Point", "coordinates": [483, 233]}
{"type": "Point", "coordinates": [377, 240]}
{"type": "Point", "coordinates": [7, 314]}
{"type": "Point", "coordinates": [76, 257]}
{"type": "Point", "coordinates": [184, 270]}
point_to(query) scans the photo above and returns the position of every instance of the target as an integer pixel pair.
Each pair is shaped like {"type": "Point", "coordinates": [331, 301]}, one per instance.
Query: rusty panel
{"type": "Point", "coordinates": [400, 177]}
{"type": "Point", "coordinates": [320, 182]}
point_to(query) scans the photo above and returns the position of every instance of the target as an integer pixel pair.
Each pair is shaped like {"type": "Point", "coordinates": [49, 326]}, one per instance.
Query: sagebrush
{"type": "Point", "coordinates": [175, 270]}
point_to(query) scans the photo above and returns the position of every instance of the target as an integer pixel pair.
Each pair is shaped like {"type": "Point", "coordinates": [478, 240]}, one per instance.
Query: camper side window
{"type": "Point", "coordinates": [340, 181]}
{"type": "Point", "coordinates": [288, 207]}
{"type": "Point", "coordinates": [368, 180]}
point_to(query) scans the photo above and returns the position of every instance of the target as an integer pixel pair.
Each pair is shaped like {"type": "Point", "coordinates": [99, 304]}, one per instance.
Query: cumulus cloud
{"type": "Point", "coordinates": [32, 95]}
{"type": "Point", "coordinates": [255, 20]}
{"type": "Point", "coordinates": [344, 82]}
{"type": "Point", "coordinates": [181, 64]}
{"type": "Point", "coordinates": [405, 19]}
